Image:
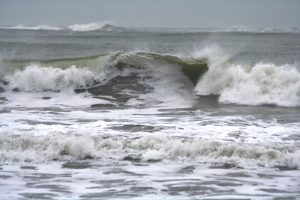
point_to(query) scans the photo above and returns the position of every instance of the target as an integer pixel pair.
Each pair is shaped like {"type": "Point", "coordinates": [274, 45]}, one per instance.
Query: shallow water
{"type": "Point", "coordinates": [139, 180]}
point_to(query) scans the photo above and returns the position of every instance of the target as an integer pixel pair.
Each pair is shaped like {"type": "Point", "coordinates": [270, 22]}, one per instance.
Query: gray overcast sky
{"type": "Point", "coordinates": [153, 13]}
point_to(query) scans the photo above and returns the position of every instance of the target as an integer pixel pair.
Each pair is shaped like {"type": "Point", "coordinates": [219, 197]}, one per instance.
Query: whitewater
{"type": "Point", "coordinates": [95, 111]}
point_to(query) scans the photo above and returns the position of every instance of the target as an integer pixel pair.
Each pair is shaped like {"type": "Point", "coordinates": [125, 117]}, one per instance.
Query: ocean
{"type": "Point", "coordinates": [105, 112]}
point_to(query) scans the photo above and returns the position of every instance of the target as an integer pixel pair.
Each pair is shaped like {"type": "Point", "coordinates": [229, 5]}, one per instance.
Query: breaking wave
{"type": "Point", "coordinates": [258, 84]}
{"type": "Point", "coordinates": [148, 149]}
{"type": "Point", "coordinates": [263, 83]}
{"type": "Point", "coordinates": [209, 70]}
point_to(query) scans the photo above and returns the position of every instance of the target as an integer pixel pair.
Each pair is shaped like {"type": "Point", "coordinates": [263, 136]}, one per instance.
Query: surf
{"type": "Point", "coordinates": [63, 147]}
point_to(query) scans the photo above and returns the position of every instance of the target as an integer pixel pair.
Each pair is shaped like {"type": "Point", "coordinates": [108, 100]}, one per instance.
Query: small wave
{"type": "Point", "coordinates": [91, 27]}
{"type": "Point", "coordinates": [261, 30]}
{"type": "Point", "coordinates": [41, 27]}
{"type": "Point", "coordinates": [148, 148]}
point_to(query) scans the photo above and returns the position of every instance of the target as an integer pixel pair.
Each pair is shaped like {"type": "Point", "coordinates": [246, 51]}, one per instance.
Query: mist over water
{"type": "Point", "coordinates": [94, 111]}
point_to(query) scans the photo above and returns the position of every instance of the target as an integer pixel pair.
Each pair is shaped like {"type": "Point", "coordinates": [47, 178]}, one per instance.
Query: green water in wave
{"type": "Point", "coordinates": [192, 68]}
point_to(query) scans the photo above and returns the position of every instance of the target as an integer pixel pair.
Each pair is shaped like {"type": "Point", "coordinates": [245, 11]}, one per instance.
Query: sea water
{"type": "Point", "coordinates": [102, 112]}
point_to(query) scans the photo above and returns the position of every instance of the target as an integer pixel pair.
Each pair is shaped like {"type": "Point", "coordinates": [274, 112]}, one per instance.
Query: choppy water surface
{"type": "Point", "coordinates": [117, 113]}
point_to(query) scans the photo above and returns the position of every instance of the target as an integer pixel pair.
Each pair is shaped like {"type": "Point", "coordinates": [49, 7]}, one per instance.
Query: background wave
{"type": "Point", "coordinates": [107, 26]}
{"type": "Point", "coordinates": [94, 26]}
